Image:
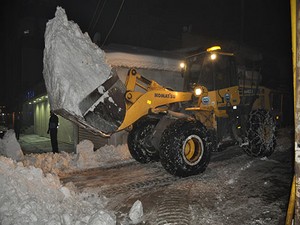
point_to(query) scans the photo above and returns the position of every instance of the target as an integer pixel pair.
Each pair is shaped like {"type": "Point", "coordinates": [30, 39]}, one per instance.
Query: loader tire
{"type": "Point", "coordinates": [185, 148]}
{"type": "Point", "coordinates": [139, 140]}
{"type": "Point", "coordinates": [260, 134]}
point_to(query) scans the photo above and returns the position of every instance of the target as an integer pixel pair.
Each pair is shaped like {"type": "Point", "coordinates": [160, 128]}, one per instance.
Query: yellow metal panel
{"type": "Point", "coordinates": [294, 42]}
{"type": "Point", "coordinates": [151, 100]}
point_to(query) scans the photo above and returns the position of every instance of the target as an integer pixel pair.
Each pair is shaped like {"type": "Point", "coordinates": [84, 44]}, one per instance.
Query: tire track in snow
{"type": "Point", "coordinates": [138, 186]}
{"type": "Point", "coordinates": [116, 180]}
{"type": "Point", "coordinates": [173, 208]}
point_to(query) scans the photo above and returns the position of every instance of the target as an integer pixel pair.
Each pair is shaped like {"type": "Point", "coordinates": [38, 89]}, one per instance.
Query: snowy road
{"type": "Point", "coordinates": [235, 189]}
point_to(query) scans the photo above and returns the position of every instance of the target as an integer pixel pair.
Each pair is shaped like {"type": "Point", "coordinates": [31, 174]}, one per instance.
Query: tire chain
{"type": "Point", "coordinates": [257, 119]}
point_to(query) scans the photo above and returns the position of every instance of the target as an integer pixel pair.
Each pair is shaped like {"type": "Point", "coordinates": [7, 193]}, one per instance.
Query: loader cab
{"type": "Point", "coordinates": [212, 69]}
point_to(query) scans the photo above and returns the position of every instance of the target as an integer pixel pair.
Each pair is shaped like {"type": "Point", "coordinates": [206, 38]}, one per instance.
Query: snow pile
{"type": "Point", "coordinates": [73, 65]}
{"type": "Point", "coordinates": [31, 193]}
{"type": "Point", "coordinates": [110, 155]}
{"type": "Point", "coordinates": [51, 163]}
{"type": "Point", "coordinates": [85, 158]}
{"type": "Point", "coordinates": [30, 197]}
{"type": "Point", "coordinates": [107, 155]}
{"type": "Point", "coordinates": [10, 147]}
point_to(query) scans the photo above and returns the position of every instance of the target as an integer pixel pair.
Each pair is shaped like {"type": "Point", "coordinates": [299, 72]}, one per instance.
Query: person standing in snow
{"type": "Point", "coordinates": [17, 127]}
{"type": "Point", "coordinates": [52, 129]}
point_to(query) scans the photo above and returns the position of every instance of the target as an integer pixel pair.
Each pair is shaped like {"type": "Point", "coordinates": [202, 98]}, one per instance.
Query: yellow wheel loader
{"type": "Point", "coordinates": [181, 129]}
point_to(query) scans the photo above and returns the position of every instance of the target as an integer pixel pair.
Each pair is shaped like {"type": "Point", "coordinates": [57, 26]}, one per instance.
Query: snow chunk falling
{"type": "Point", "coordinates": [73, 65]}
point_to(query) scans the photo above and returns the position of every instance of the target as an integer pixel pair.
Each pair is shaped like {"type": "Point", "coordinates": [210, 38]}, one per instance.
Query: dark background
{"type": "Point", "coordinates": [263, 25]}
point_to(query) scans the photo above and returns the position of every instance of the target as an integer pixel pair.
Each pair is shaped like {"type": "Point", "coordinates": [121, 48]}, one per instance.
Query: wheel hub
{"type": "Point", "coordinates": [192, 150]}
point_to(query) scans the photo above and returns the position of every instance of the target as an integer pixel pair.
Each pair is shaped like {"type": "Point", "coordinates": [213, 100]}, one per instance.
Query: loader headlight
{"type": "Point", "coordinates": [198, 91]}
{"type": "Point", "coordinates": [182, 65]}
{"type": "Point", "coordinates": [213, 56]}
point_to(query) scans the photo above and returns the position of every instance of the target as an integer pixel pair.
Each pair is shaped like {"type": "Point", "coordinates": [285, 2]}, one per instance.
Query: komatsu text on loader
{"type": "Point", "coordinates": [180, 129]}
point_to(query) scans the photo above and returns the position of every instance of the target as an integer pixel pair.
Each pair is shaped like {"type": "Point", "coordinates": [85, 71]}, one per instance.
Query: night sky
{"type": "Point", "coordinates": [158, 24]}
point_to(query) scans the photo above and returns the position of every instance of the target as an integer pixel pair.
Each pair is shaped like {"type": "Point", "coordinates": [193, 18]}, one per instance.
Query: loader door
{"type": "Point", "coordinates": [217, 72]}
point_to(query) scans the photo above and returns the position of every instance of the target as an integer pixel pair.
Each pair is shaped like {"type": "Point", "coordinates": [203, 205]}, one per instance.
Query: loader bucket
{"type": "Point", "coordinates": [104, 108]}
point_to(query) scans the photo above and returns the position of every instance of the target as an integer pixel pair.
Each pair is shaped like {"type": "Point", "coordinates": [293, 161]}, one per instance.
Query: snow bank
{"type": "Point", "coordinates": [31, 192]}
{"type": "Point", "coordinates": [51, 163]}
{"type": "Point", "coordinates": [73, 65]}
{"type": "Point", "coordinates": [85, 158]}
{"type": "Point", "coordinates": [105, 156]}
{"type": "Point", "coordinates": [30, 197]}
{"type": "Point", "coordinates": [10, 147]}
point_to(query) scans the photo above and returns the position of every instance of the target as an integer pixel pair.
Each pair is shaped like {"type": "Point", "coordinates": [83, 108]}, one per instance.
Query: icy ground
{"type": "Point", "coordinates": [108, 187]}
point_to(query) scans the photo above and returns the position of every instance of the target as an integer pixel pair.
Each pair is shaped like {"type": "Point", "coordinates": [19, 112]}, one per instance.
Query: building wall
{"type": "Point", "coordinates": [41, 119]}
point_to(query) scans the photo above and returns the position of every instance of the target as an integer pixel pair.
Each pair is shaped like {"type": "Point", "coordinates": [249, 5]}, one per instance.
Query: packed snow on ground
{"type": "Point", "coordinates": [31, 192]}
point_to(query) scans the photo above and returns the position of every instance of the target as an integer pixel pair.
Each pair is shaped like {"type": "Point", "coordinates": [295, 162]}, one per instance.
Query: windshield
{"type": "Point", "coordinates": [213, 73]}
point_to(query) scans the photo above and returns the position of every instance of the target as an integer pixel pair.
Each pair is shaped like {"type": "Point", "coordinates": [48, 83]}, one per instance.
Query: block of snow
{"type": "Point", "coordinates": [102, 217]}
{"type": "Point", "coordinates": [85, 155]}
{"type": "Point", "coordinates": [73, 65]}
{"type": "Point", "coordinates": [136, 212]}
